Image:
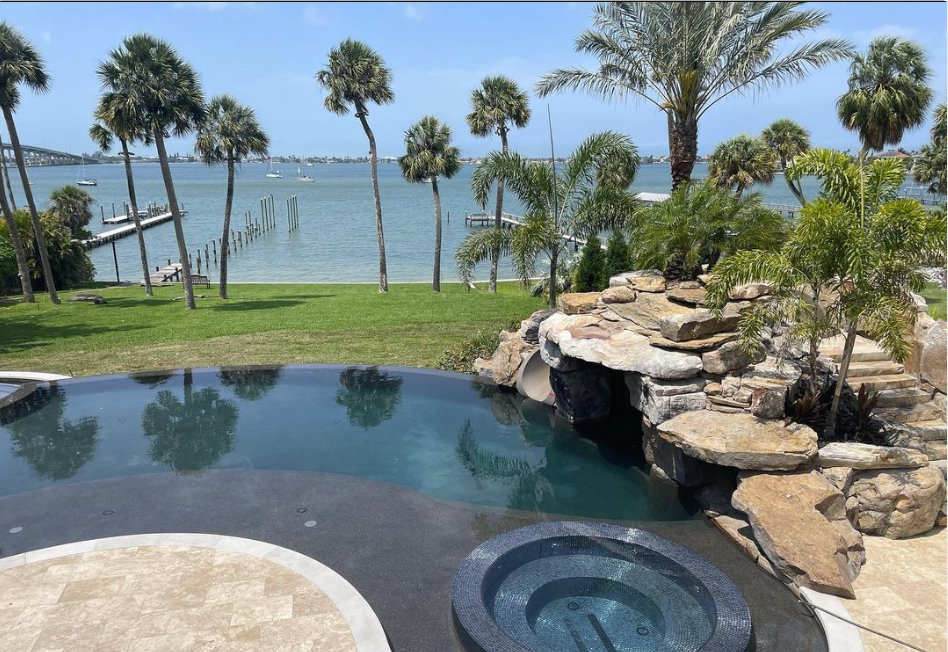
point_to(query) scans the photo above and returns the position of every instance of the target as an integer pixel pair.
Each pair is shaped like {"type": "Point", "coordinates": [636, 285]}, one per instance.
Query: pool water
{"type": "Point", "coordinates": [447, 436]}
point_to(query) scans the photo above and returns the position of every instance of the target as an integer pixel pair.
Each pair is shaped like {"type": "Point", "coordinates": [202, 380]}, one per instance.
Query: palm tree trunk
{"type": "Point", "coordinates": [863, 153]}
{"type": "Point", "coordinates": [553, 257]}
{"type": "Point", "coordinates": [22, 268]}
{"type": "Point", "coordinates": [829, 432]}
{"type": "Point", "coordinates": [436, 279]}
{"type": "Point", "coordinates": [225, 240]}
{"type": "Point", "coordinates": [133, 200]}
{"type": "Point", "coordinates": [34, 216]}
{"type": "Point", "coordinates": [374, 165]}
{"type": "Point", "coordinates": [682, 148]}
{"type": "Point", "coordinates": [176, 218]}
{"type": "Point", "coordinates": [498, 221]}
{"type": "Point", "coordinates": [6, 175]}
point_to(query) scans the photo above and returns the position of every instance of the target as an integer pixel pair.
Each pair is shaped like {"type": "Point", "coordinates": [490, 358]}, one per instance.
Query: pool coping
{"type": "Point", "coordinates": [364, 625]}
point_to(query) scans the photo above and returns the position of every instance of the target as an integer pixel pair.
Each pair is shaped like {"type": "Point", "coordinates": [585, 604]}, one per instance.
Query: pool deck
{"type": "Point", "coordinates": [901, 591]}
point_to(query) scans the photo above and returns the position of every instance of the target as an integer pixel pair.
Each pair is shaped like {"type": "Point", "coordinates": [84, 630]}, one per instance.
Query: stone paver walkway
{"type": "Point", "coordinates": [901, 591]}
{"type": "Point", "coordinates": [168, 599]}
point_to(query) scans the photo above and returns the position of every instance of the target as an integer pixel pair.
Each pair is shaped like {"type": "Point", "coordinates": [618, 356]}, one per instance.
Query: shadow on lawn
{"type": "Point", "coordinates": [239, 305]}
{"type": "Point", "coordinates": [24, 334]}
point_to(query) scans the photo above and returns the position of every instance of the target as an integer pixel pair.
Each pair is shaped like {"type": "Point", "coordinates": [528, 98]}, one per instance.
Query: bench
{"type": "Point", "coordinates": [200, 279]}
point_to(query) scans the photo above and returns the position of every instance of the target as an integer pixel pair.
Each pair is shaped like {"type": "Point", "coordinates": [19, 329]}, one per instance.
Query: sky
{"type": "Point", "coordinates": [266, 54]}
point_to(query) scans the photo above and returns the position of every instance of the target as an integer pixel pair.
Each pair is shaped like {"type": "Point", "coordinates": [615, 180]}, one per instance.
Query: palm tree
{"type": "Point", "coordinates": [19, 251]}
{"type": "Point", "coordinates": [931, 165]}
{"type": "Point", "coordinates": [496, 107]}
{"type": "Point", "coordinates": [116, 119]}
{"type": "Point", "coordinates": [685, 57]}
{"type": "Point", "coordinates": [888, 93]}
{"type": "Point", "coordinates": [430, 155]}
{"type": "Point", "coordinates": [355, 76]}
{"type": "Point", "coordinates": [6, 174]}
{"type": "Point", "coordinates": [229, 134]}
{"type": "Point", "coordinates": [741, 162]}
{"type": "Point", "coordinates": [580, 199]}
{"type": "Point", "coordinates": [21, 63]}
{"type": "Point", "coordinates": [73, 207]}
{"type": "Point", "coordinates": [370, 396]}
{"type": "Point", "coordinates": [164, 91]}
{"type": "Point", "coordinates": [787, 140]}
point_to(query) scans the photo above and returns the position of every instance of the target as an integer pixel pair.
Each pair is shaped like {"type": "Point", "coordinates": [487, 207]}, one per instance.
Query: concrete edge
{"type": "Point", "coordinates": [363, 623]}
{"type": "Point", "coordinates": [840, 635]}
{"type": "Point", "coordinates": [33, 376]}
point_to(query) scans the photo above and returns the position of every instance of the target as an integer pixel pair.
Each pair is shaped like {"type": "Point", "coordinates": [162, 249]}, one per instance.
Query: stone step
{"type": "Point", "coordinates": [902, 397]}
{"type": "Point", "coordinates": [909, 414]}
{"type": "Point", "coordinates": [934, 430]}
{"type": "Point", "coordinates": [879, 383]}
{"type": "Point", "coordinates": [859, 355]}
{"type": "Point", "coordinates": [876, 368]}
{"type": "Point", "coordinates": [936, 450]}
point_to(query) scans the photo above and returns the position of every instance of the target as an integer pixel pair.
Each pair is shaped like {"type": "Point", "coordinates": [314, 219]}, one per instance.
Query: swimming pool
{"type": "Point", "coordinates": [447, 436]}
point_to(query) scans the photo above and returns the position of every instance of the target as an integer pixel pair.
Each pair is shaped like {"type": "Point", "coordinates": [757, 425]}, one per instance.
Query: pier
{"type": "Point", "coordinates": [115, 234]}
{"type": "Point", "coordinates": [510, 221]}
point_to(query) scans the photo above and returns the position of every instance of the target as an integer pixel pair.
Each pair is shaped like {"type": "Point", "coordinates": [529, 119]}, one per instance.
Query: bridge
{"type": "Point", "coordinates": [40, 156]}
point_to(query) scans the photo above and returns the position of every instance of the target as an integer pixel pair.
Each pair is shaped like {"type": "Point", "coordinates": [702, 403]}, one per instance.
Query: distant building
{"type": "Point", "coordinates": [893, 153]}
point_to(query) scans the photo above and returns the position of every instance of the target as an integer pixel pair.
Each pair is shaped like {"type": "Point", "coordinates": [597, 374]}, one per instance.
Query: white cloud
{"type": "Point", "coordinates": [47, 37]}
{"type": "Point", "coordinates": [313, 16]}
{"type": "Point", "coordinates": [412, 12]}
{"type": "Point", "coordinates": [892, 29]}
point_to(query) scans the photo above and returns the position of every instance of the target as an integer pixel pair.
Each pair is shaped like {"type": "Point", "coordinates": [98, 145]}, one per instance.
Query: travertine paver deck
{"type": "Point", "coordinates": [902, 591]}
{"type": "Point", "coordinates": [168, 599]}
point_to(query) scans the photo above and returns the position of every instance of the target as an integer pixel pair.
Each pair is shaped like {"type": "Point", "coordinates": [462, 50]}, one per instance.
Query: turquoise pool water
{"type": "Point", "coordinates": [444, 435]}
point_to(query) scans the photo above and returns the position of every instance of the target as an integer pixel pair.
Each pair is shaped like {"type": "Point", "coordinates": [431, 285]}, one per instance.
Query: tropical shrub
{"type": "Point", "coordinates": [618, 257]}
{"type": "Point", "coordinates": [590, 274]}
{"type": "Point", "coordinates": [68, 258]}
{"type": "Point", "coordinates": [461, 357]}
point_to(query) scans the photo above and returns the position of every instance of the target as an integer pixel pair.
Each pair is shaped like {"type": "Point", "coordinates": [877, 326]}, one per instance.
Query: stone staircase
{"type": "Point", "coordinates": [900, 398]}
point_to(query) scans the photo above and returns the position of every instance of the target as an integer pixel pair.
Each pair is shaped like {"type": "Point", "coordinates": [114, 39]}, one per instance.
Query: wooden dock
{"type": "Point", "coordinates": [169, 274]}
{"type": "Point", "coordinates": [510, 221]}
{"type": "Point", "coordinates": [115, 234]}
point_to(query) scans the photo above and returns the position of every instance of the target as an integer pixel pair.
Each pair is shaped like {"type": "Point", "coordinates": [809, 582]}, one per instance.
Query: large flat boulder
{"type": "Point", "coordinates": [575, 303]}
{"type": "Point", "coordinates": [683, 469]}
{"type": "Point", "coordinates": [799, 522]}
{"type": "Point", "coordinates": [660, 400]}
{"type": "Point", "coordinates": [621, 294]}
{"type": "Point", "coordinates": [730, 357]}
{"type": "Point", "coordinates": [687, 295]}
{"type": "Point", "coordinates": [649, 309]}
{"type": "Point", "coordinates": [695, 324]}
{"type": "Point", "coordinates": [866, 456]}
{"type": "Point", "coordinates": [932, 362]}
{"type": "Point", "coordinates": [749, 291]}
{"type": "Point", "coordinates": [897, 503]}
{"type": "Point", "coordinates": [695, 346]}
{"type": "Point", "coordinates": [740, 440]}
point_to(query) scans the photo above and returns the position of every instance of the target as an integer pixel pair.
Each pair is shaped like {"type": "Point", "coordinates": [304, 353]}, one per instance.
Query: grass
{"type": "Point", "coordinates": [935, 297]}
{"type": "Point", "coordinates": [259, 324]}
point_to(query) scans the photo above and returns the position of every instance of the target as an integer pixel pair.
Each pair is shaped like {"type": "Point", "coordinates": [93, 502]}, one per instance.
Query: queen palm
{"type": "Point", "coordinates": [740, 162]}
{"type": "Point", "coordinates": [165, 93]}
{"type": "Point", "coordinates": [685, 57]}
{"type": "Point", "coordinates": [497, 106]}
{"type": "Point", "coordinates": [888, 93]}
{"type": "Point", "coordinates": [354, 77]}
{"type": "Point", "coordinates": [116, 119]}
{"type": "Point", "coordinates": [21, 63]}
{"type": "Point", "coordinates": [229, 134]}
{"type": "Point", "coordinates": [787, 140]}
{"type": "Point", "coordinates": [579, 199]}
{"type": "Point", "coordinates": [429, 155]}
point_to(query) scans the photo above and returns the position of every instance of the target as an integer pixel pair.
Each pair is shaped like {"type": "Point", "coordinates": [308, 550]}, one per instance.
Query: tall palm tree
{"type": "Point", "coordinates": [165, 93]}
{"type": "Point", "coordinates": [685, 57]}
{"type": "Point", "coordinates": [932, 163]}
{"type": "Point", "coordinates": [229, 134]}
{"type": "Point", "coordinates": [21, 63]}
{"type": "Point", "coordinates": [19, 251]}
{"type": "Point", "coordinates": [429, 155]}
{"type": "Point", "coordinates": [580, 198]}
{"type": "Point", "coordinates": [116, 119]}
{"type": "Point", "coordinates": [6, 174]}
{"type": "Point", "coordinates": [497, 106]}
{"type": "Point", "coordinates": [73, 207]}
{"type": "Point", "coordinates": [740, 162]}
{"type": "Point", "coordinates": [355, 76]}
{"type": "Point", "coordinates": [787, 140]}
{"type": "Point", "coordinates": [888, 93]}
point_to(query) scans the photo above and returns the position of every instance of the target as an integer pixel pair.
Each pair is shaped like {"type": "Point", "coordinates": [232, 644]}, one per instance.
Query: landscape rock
{"type": "Point", "coordinates": [97, 299]}
{"type": "Point", "coordinates": [916, 339]}
{"type": "Point", "coordinates": [646, 280]}
{"type": "Point", "coordinates": [840, 476]}
{"type": "Point", "coordinates": [898, 503]}
{"type": "Point", "coordinates": [799, 522]}
{"type": "Point", "coordinates": [866, 456]}
{"type": "Point", "coordinates": [659, 400]}
{"type": "Point", "coordinates": [648, 309]}
{"type": "Point", "coordinates": [621, 294]}
{"type": "Point", "coordinates": [696, 346]}
{"type": "Point", "coordinates": [508, 356]}
{"type": "Point", "coordinates": [691, 296]}
{"type": "Point", "coordinates": [715, 500]}
{"type": "Point", "coordinates": [582, 394]}
{"type": "Point", "coordinates": [767, 399]}
{"type": "Point", "coordinates": [575, 303]}
{"type": "Point", "coordinates": [730, 357]}
{"type": "Point", "coordinates": [683, 469]}
{"type": "Point", "coordinates": [554, 358]}
{"type": "Point", "coordinates": [940, 401]}
{"type": "Point", "coordinates": [739, 532]}
{"type": "Point", "coordinates": [530, 327]}
{"type": "Point", "coordinates": [740, 440]}
{"type": "Point", "coordinates": [712, 389]}
{"type": "Point", "coordinates": [696, 324]}
{"type": "Point", "coordinates": [932, 363]}
{"type": "Point", "coordinates": [749, 291]}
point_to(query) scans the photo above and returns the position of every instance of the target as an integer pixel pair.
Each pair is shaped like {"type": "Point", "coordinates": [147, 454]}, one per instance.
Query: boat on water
{"type": "Point", "coordinates": [82, 173]}
{"type": "Point", "coordinates": [305, 178]}
{"type": "Point", "coordinates": [309, 165]}
{"type": "Point", "coordinates": [271, 173]}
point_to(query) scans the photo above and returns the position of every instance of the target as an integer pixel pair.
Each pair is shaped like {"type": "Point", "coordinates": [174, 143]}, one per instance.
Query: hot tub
{"type": "Point", "coordinates": [595, 587]}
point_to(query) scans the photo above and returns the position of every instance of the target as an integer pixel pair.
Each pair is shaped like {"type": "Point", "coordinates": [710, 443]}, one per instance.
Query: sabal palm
{"type": "Point", "coordinates": [570, 201]}
{"type": "Point", "coordinates": [116, 119]}
{"type": "Point", "coordinates": [932, 162]}
{"type": "Point", "coordinates": [740, 162]}
{"type": "Point", "coordinates": [787, 140]}
{"type": "Point", "coordinates": [19, 250]}
{"type": "Point", "coordinates": [497, 106]}
{"type": "Point", "coordinates": [21, 63]}
{"type": "Point", "coordinates": [888, 93]}
{"type": "Point", "coordinates": [429, 155]}
{"type": "Point", "coordinates": [229, 134]}
{"type": "Point", "coordinates": [165, 93]}
{"type": "Point", "coordinates": [73, 207]}
{"type": "Point", "coordinates": [354, 77]}
{"type": "Point", "coordinates": [685, 57]}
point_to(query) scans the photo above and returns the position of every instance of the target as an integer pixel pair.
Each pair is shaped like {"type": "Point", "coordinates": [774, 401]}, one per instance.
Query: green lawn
{"type": "Point", "coordinates": [259, 324]}
{"type": "Point", "coordinates": [935, 297]}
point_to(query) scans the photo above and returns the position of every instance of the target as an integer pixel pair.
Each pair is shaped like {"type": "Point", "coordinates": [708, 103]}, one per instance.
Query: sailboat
{"type": "Point", "coordinates": [303, 177]}
{"type": "Point", "coordinates": [273, 174]}
{"type": "Point", "coordinates": [82, 173]}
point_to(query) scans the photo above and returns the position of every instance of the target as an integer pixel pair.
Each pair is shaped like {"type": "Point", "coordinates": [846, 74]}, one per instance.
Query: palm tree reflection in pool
{"type": "Point", "coordinates": [249, 384]}
{"type": "Point", "coordinates": [190, 435]}
{"type": "Point", "coordinates": [54, 447]}
{"type": "Point", "coordinates": [370, 396]}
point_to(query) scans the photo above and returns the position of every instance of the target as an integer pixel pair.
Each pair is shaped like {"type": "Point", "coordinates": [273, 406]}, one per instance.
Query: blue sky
{"type": "Point", "coordinates": [266, 54]}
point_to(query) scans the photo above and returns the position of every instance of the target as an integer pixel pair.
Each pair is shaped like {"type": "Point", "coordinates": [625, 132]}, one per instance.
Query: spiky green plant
{"type": "Point", "coordinates": [931, 165]}
{"type": "Point", "coordinates": [787, 140]}
{"type": "Point", "coordinates": [741, 162]}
